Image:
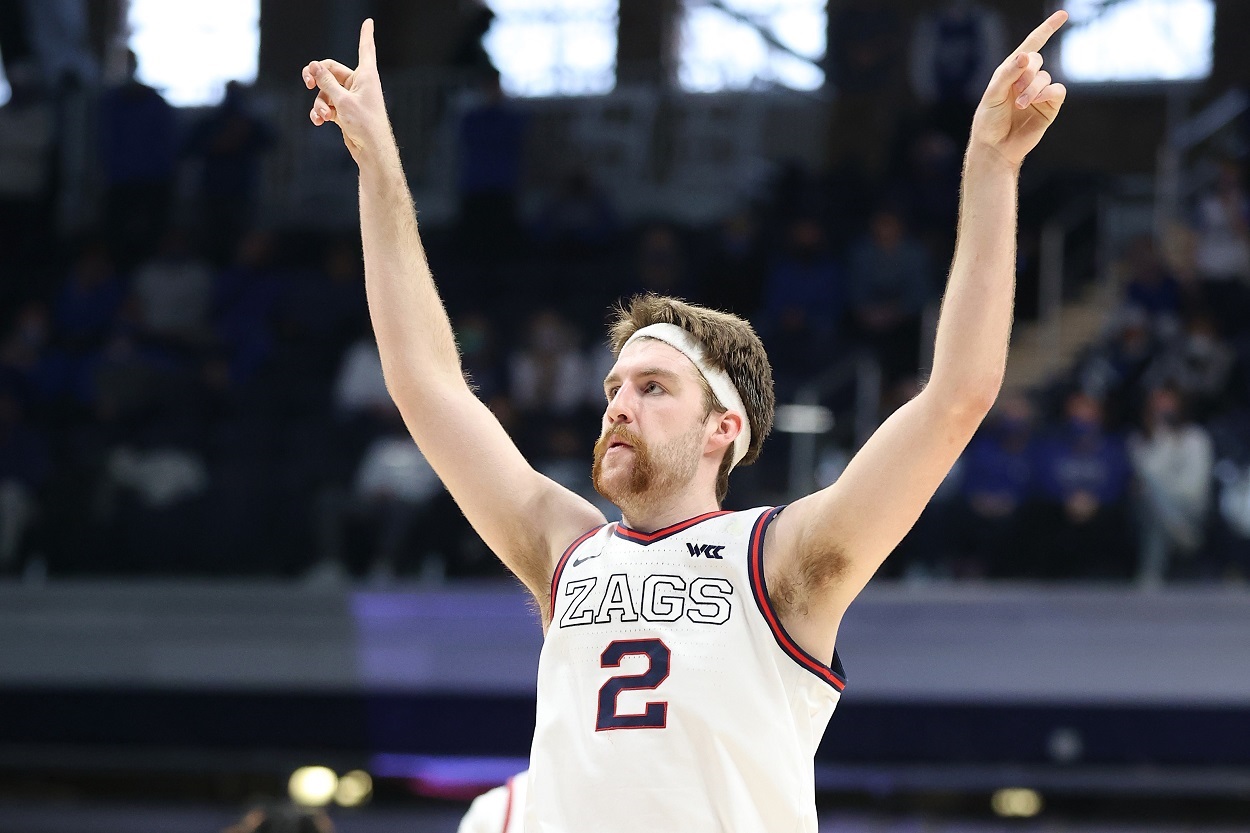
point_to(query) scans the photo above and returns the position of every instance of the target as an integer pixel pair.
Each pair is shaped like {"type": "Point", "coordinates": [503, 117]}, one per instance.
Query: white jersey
{"type": "Point", "coordinates": [501, 810]}
{"type": "Point", "coordinates": [670, 698]}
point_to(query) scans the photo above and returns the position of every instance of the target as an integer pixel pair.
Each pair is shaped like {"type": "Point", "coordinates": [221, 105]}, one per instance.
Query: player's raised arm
{"type": "Point", "coordinates": [830, 543]}
{"type": "Point", "coordinates": [524, 517]}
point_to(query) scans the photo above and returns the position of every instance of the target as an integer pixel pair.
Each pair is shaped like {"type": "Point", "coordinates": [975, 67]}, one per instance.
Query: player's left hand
{"type": "Point", "coordinates": [1020, 101]}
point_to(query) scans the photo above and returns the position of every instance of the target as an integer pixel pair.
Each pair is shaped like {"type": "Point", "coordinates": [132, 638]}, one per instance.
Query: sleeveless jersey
{"type": "Point", "coordinates": [670, 697]}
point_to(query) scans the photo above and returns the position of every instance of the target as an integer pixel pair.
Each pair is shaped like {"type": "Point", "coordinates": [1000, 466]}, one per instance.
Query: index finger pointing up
{"type": "Point", "coordinates": [1038, 37]}
{"type": "Point", "coordinates": [368, 55]}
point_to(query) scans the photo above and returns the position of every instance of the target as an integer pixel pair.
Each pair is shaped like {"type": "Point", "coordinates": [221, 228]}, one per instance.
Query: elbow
{"type": "Point", "coordinates": [969, 402]}
{"type": "Point", "coordinates": [981, 398]}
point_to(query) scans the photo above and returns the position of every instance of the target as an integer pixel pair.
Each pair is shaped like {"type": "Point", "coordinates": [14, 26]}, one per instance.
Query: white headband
{"type": "Point", "coordinates": [717, 380]}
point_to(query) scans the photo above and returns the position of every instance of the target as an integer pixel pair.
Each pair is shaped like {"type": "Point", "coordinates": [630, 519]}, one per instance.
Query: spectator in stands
{"type": "Point", "coordinates": [479, 356]}
{"type": "Point", "coordinates": [1230, 434]}
{"type": "Point", "coordinates": [1223, 245]}
{"type": "Point", "coordinates": [549, 375]}
{"type": "Point", "coordinates": [578, 220]}
{"type": "Point", "coordinates": [929, 189]}
{"type": "Point", "coordinates": [25, 465]}
{"type": "Point", "coordinates": [996, 485]}
{"type": "Point", "coordinates": [1080, 528]}
{"type": "Point", "coordinates": [139, 153]}
{"type": "Point", "coordinates": [89, 298]}
{"type": "Point", "coordinates": [360, 388]}
{"type": "Point", "coordinates": [229, 142]}
{"type": "Point", "coordinates": [24, 367]}
{"type": "Point", "coordinates": [1150, 285]}
{"type": "Point", "coordinates": [469, 55]}
{"type": "Point", "coordinates": [954, 50]}
{"type": "Point", "coordinates": [1113, 370]}
{"type": "Point", "coordinates": [803, 306]}
{"type": "Point", "coordinates": [732, 277]}
{"type": "Point", "coordinates": [324, 310]}
{"type": "Point", "coordinates": [561, 457]}
{"type": "Point", "coordinates": [26, 134]}
{"type": "Point", "coordinates": [172, 293]}
{"type": "Point", "coordinates": [492, 137]}
{"type": "Point", "coordinates": [660, 263]}
{"type": "Point", "coordinates": [392, 490]}
{"type": "Point", "coordinates": [1172, 460]}
{"type": "Point", "coordinates": [1199, 363]}
{"type": "Point", "coordinates": [866, 42]}
{"type": "Point", "coordinates": [889, 284]}
{"type": "Point", "coordinates": [246, 298]}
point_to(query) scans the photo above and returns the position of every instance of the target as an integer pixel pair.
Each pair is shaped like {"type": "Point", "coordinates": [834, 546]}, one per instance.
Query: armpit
{"type": "Point", "coordinates": [818, 567]}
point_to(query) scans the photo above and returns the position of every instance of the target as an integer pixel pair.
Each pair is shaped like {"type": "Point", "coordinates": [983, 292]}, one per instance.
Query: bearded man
{"type": "Point", "coordinates": [688, 669]}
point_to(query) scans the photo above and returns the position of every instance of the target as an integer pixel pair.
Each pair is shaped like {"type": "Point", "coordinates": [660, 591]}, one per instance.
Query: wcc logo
{"type": "Point", "coordinates": [709, 550]}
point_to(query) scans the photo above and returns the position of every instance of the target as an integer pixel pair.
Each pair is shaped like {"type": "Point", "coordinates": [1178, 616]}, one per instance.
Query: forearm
{"type": "Point", "coordinates": [413, 332]}
{"type": "Point", "coordinates": [974, 328]}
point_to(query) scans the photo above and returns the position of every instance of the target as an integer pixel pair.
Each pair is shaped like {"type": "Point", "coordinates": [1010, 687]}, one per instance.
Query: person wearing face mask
{"type": "Point", "coordinates": [1083, 474]}
{"type": "Point", "coordinates": [1172, 460]}
{"type": "Point", "coordinates": [997, 484]}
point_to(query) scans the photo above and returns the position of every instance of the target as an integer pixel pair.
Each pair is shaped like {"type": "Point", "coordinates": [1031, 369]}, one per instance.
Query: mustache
{"type": "Point", "coordinates": [617, 432]}
{"type": "Point", "coordinates": [641, 475]}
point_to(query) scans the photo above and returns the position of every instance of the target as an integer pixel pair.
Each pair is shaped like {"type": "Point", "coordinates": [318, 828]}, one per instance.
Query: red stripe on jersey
{"type": "Point", "coordinates": [649, 537]}
{"type": "Point", "coordinates": [756, 555]}
{"type": "Point", "coordinates": [555, 576]}
{"type": "Point", "coordinates": [507, 809]}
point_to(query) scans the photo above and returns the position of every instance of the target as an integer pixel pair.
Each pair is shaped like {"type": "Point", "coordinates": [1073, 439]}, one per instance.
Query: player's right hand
{"type": "Point", "coordinates": [351, 98]}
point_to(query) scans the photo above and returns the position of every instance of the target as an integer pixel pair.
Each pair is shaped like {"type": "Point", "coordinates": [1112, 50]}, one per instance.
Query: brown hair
{"type": "Point", "coordinates": [730, 344]}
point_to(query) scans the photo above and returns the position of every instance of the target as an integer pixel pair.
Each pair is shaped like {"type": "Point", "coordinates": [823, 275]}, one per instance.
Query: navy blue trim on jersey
{"type": "Point", "coordinates": [555, 576]}
{"type": "Point", "coordinates": [832, 673]}
{"type": "Point", "coordinates": [646, 538]}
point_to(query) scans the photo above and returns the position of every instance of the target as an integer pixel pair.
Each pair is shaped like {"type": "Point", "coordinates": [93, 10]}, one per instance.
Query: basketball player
{"type": "Point", "coordinates": [688, 670]}
{"type": "Point", "coordinates": [501, 810]}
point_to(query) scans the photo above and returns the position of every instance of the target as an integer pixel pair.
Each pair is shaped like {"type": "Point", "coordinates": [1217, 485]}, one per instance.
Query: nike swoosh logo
{"type": "Point", "coordinates": [577, 561]}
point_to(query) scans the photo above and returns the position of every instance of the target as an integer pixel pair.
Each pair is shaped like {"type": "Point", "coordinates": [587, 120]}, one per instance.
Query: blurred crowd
{"type": "Point", "coordinates": [186, 390]}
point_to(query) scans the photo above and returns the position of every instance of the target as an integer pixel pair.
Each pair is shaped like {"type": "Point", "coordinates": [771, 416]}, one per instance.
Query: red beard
{"type": "Point", "coordinates": [640, 478]}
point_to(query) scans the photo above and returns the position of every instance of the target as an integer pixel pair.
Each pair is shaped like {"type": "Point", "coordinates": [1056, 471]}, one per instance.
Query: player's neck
{"type": "Point", "coordinates": [658, 513]}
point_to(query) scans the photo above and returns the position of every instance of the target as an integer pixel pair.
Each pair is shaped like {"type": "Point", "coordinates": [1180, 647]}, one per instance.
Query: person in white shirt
{"type": "Point", "coordinates": [1173, 461]}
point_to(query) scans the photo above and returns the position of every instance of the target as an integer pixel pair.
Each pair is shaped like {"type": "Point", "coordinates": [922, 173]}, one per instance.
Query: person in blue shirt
{"type": "Point", "coordinates": [1081, 528]}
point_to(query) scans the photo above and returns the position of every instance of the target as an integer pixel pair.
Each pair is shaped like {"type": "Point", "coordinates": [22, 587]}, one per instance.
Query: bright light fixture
{"type": "Point", "coordinates": [313, 786]}
{"type": "Point", "coordinates": [1016, 802]}
{"type": "Point", "coordinates": [355, 788]}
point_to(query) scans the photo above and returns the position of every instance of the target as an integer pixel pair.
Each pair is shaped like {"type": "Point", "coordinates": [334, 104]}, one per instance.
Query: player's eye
{"type": "Point", "coordinates": [653, 387]}
{"type": "Point", "coordinates": [610, 393]}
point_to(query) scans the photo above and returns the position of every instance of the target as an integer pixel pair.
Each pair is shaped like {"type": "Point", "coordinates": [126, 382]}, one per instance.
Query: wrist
{"type": "Point", "coordinates": [983, 158]}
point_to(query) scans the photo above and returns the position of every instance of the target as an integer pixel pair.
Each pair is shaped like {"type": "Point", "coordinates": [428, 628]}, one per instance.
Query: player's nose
{"type": "Point", "coordinates": [620, 408]}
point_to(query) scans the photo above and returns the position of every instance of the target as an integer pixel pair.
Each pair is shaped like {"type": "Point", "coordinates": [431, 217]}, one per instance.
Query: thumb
{"type": "Point", "coordinates": [326, 82]}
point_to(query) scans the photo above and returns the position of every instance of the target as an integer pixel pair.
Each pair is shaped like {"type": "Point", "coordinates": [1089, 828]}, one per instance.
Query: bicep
{"type": "Point", "coordinates": [520, 514]}
{"type": "Point", "coordinates": [865, 514]}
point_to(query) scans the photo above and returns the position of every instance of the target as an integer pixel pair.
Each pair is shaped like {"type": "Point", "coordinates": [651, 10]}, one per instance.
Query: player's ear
{"type": "Point", "coordinates": [728, 427]}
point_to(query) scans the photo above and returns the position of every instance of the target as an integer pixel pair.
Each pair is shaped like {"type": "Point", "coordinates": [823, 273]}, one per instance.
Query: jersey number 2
{"type": "Point", "coordinates": [656, 714]}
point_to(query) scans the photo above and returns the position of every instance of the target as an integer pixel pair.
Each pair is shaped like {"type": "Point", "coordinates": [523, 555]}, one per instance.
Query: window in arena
{"type": "Point", "coordinates": [751, 44]}
{"type": "Point", "coordinates": [554, 47]}
{"type": "Point", "coordinates": [1137, 41]}
{"type": "Point", "coordinates": [188, 51]}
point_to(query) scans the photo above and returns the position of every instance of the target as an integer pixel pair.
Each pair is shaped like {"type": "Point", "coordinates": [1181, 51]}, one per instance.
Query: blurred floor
{"type": "Point", "coordinates": [77, 817]}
